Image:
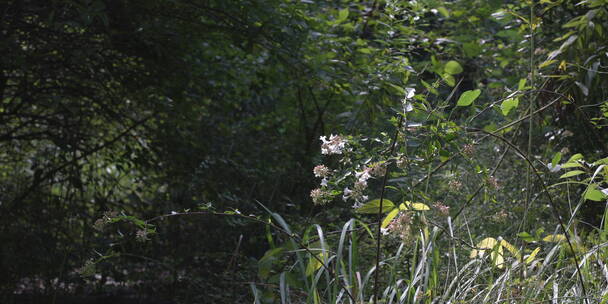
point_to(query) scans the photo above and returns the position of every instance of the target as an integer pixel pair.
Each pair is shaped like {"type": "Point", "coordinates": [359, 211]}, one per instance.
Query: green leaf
{"type": "Point", "coordinates": [449, 79]}
{"type": "Point", "coordinates": [556, 158]}
{"type": "Point", "coordinates": [452, 67]}
{"type": "Point", "coordinates": [467, 98]}
{"type": "Point", "coordinates": [509, 104]}
{"type": "Point", "coordinates": [522, 84]}
{"type": "Point", "coordinates": [443, 11]}
{"type": "Point", "coordinates": [342, 15]}
{"type": "Point", "coordinates": [372, 206]}
{"type": "Point", "coordinates": [571, 165]}
{"type": "Point", "coordinates": [314, 264]}
{"type": "Point", "coordinates": [572, 173]}
{"type": "Point", "coordinates": [389, 217]}
{"type": "Point", "coordinates": [526, 237]}
{"type": "Point", "coordinates": [593, 194]}
{"type": "Point", "coordinates": [575, 157]}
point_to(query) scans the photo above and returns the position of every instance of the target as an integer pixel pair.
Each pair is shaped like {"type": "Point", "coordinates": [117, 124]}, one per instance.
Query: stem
{"type": "Point", "coordinates": [379, 231]}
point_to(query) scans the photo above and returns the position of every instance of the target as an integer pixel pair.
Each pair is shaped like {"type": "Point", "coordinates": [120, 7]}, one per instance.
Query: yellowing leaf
{"type": "Point", "coordinates": [497, 257]}
{"type": "Point", "coordinates": [314, 264]}
{"type": "Point", "coordinates": [554, 238]}
{"type": "Point", "coordinates": [511, 249]}
{"type": "Point", "coordinates": [389, 217]}
{"type": "Point", "coordinates": [532, 255]}
{"type": "Point", "coordinates": [416, 206]}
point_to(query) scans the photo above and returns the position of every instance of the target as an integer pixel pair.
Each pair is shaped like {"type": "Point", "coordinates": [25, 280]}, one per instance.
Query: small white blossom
{"type": "Point", "coordinates": [320, 196]}
{"type": "Point", "coordinates": [409, 94]}
{"type": "Point", "coordinates": [334, 145]}
{"type": "Point", "coordinates": [321, 171]}
{"type": "Point", "coordinates": [324, 182]}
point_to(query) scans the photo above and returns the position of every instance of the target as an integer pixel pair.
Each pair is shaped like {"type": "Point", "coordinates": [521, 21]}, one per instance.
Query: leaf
{"type": "Point", "coordinates": [449, 79]}
{"type": "Point", "coordinates": [342, 15]}
{"type": "Point", "coordinates": [571, 165]}
{"type": "Point", "coordinates": [593, 194]}
{"type": "Point", "coordinates": [509, 104]}
{"type": "Point", "coordinates": [389, 217]}
{"type": "Point", "coordinates": [522, 84]}
{"type": "Point", "coordinates": [314, 264]}
{"type": "Point", "coordinates": [572, 173]}
{"type": "Point", "coordinates": [497, 257]}
{"type": "Point", "coordinates": [532, 255]}
{"type": "Point", "coordinates": [526, 237]}
{"type": "Point", "coordinates": [554, 238]}
{"type": "Point", "coordinates": [415, 206]}
{"type": "Point", "coordinates": [575, 157]}
{"type": "Point", "coordinates": [556, 158]}
{"type": "Point", "coordinates": [266, 262]}
{"type": "Point", "coordinates": [511, 249]}
{"type": "Point", "coordinates": [467, 98]}
{"type": "Point", "coordinates": [452, 67]}
{"type": "Point", "coordinates": [372, 206]}
{"type": "Point", "coordinates": [443, 11]}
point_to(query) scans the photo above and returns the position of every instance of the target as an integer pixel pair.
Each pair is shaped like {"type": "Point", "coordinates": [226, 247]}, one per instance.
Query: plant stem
{"type": "Point", "coordinates": [379, 231]}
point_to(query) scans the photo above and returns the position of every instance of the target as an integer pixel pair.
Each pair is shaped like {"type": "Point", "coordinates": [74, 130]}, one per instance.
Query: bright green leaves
{"type": "Point", "coordinates": [389, 217]}
{"type": "Point", "coordinates": [373, 206]}
{"type": "Point", "coordinates": [467, 98]}
{"type": "Point", "coordinates": [508, 105]}
{"type": "Point", "coordinates": [452, 68]}
{"type": "Point", "coordinates": [594, 194]}
{"type": "Point", "coordinates": [572, 173]}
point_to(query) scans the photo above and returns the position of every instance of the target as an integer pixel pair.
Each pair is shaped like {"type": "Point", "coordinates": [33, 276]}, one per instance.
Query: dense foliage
{"type": "Point", "coordinates": [287, 151]}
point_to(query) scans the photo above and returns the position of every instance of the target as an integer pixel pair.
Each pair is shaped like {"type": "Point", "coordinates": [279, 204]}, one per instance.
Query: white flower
{"type": "Point", "coordinates": [553, 169]}
{"type": "Point", "coordinates": [334, 145]}
{"type": "Point", "coordinates": [324, 182]}
{"type": "Point", "coordinates": [321, 171]}
{"type": "Point", "coordinates": [409, 94]}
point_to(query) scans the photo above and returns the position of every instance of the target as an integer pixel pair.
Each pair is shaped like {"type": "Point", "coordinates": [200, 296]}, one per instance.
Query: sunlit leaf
{"type": "Point", "coordinates": [532, 255]}
{"type": "Point", "coordinates": [554, 238]}
{"type": "Point", "coordinates": [509, 104]}
{"type": "Point", "coordinates": [452, 67]}
{"type": "Point", "coordinates": [572, 173]}
{"type": "Point", "coordinates": [374, 205]}
{"type": "Point", "coordinates": [389, 217]}
{"type": "Point", "coordinates": [467, 98]}
{"type": "Point", "coordinates": [593, 194]}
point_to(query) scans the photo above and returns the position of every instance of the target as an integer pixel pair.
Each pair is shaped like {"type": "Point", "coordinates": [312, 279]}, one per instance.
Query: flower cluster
{"type": "Point", "coordinates": [468, 149]}
{"type": "Point", "coordinates": [401, 226]}
{"type": "Point", "coordinates": [320, 196]}
{"type": "Point", "coordinates": [321, 171]}
{"type": "Point", "coordinates": [493, 182]}
{"type": "Point", "coordinates": [454, 185]}
{"type": "Point", "coordinates": [334, 145]}
{"type": "Point", "coordinates": [442, 209]}
{"type": "Point", "coordinates": [87, 270]}
{"type": "Point", "coordinates": [357, 192]}
{"type": "Point", "coordinates": [107, 218]}
{"type": "Point", "coordinates": [142, 235]}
